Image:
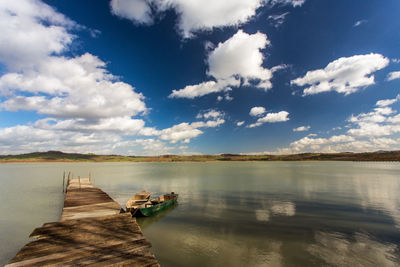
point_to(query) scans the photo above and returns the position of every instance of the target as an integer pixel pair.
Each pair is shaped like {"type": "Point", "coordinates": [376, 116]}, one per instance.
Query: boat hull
{"type": "Point", "coordinates": [157, 208]}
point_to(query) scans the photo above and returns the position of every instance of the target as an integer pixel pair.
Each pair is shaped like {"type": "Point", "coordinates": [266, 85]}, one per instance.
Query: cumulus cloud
{"type": "Point", "coordinates": [345, 75]}
{"type": "Point", "coordinates": [393, 76]}
{"type": "Point", "coordinates": [205, 88]}
{"type": "Point", "coordinates": [195, 15]}
{"type": "Point", "coordinates": [138, 11]}
{"type": "Point", "coordinates": [237, 61]}
{"type": "Point", "coordinates": [17, 18]}
{"type": "Point", "coordinates": [239, 123]}
{"type": "Point", "coordinates": [307, 144]}
{"type": "Point", "coordinates": [271, 118]}
{"type": "Point", "coordinates": [257, 111]}
{"type": "Point", "coordinates": [371, 131]}
{"type": "Point", "coordinates": [241, 55]}
{"type": "Point", "coordinates": [302, 128]}
{"type": "Point", "coordinates": [84, 107]}
{"type": "Point", "coordinates": [387, 102]}
{"type": "Point", "coordinates": [212, 113]}
{"type": "Point", "coordinates": [185, 131]}
{"type": "Point", "coordinates": [77, 87]}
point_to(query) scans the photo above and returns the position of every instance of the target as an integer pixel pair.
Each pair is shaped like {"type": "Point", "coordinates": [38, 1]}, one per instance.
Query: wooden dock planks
{"type": "Point", "coordinates": [91, 232]}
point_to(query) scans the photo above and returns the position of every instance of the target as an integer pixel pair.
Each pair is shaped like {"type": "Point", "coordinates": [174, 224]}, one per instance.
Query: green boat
{"type": "Point", "coordinates": [156, 205]}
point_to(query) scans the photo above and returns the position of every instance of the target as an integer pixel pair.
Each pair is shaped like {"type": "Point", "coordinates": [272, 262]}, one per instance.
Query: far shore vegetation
{"type": "Point", "coordinates": [57, 156]}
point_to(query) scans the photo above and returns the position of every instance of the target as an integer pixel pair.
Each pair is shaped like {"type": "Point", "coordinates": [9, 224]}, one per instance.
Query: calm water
{"type": "Point", "coordinates": [231, 213]}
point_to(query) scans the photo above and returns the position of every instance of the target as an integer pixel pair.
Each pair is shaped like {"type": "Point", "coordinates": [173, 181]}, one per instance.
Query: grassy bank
{"type": "Point", "coordinates": [57, 156]}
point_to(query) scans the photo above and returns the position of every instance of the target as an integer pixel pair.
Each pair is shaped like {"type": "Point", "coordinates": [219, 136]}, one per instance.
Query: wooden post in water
{"type": "Point", "coordinates": [90, 177]}
{"type": "Point", "coordinates": [63, 181]}
{"type": "Point", "coordinates": [79, 181]}
{"type": "Point", "coordinates": [66, 188]}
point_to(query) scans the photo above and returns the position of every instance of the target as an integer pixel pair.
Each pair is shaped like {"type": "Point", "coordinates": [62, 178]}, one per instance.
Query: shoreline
{"type": "Point", "coordinates": [177, 161]}
{"type": "Point", "coordinates": [57, 156]}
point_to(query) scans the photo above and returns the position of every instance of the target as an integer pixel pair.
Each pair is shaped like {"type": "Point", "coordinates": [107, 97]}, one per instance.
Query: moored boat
{"type": "Point", "coordinates": [156, 205]}
{"type": "Point", "coordinates": [137, 200]}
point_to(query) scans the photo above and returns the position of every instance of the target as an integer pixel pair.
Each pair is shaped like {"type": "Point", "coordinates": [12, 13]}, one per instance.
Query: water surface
{"type": "Point", "coordinates": [231, 213]}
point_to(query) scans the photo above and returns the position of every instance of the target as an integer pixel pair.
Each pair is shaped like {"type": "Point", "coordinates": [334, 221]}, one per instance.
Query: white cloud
{"type": "Point", "coordinates": [277, 20]}
{"type": "Point", "coordinates": [239, 123]}
{"type": "Point", "coordinates": [228, 97]}
{"type": "Point", "coordinates": [194, 15]}
{"type": "Point", "coordinates": [382, 121]}
{"type": "Point", "coordinates": [344, 75]}
{"type": "Point", "coordinates": [186, 131]}
{"type": "Point", "coordinates": [271, 118]}
{"type": "Point", "coordinates": [239, 56]}
{"type": "Point", "coordinates": [138, 11]}
{"type": "Point", "coordinates": [393, 76]}
{"type": "Point", "coordinates": [257, 111]}
{"type": "Point", "coordinates": [17, 18]}
{"type": "Point", "coordinates": [23, 138]}
{"type": "Point", "coordinates": [302, 128]}
{"type": "Point", "coordinates": [294, 3]}
{"type": "Point", "coordinates": [143, 147]}
{"type": "Point", "coordinates": [205, 88]}
{"type": "Point", "coordinates": [79, 87]}
{"type": "Point", "coordinates": [183, 132]}
{"type": "Point", "coordinates": [85, 108]}
{"type": "Point", "coordinates": [372, 131]}
{"type": "Point", "coordinates": [387, 102]}
{"type": "Point", "coordinates": [212, 113]}
{"type": "Point", "coordinates": [207, 14]}
{"type": "Point", "coordinates": [359, 22]}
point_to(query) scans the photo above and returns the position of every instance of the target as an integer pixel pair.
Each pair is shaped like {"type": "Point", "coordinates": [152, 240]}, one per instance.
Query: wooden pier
{"type": "Point", "coordinates": [92, 232]}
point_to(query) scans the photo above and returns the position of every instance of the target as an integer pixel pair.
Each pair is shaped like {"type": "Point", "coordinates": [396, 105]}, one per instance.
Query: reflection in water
{"type": "Point", "coordinates": [145, 222]}
{"type": "Point", "coordinates": [277, 208]}
{"type": "Point", "coordinates": [360, 249]}
{"type": "Point", "coordinates": [262, 215]}
{"type": "Point", "coordinates": [231, 213]}
{"type": "Point", "coordinates": [199, 246]}
{"type": "Point", "coordinates": [284, 208]}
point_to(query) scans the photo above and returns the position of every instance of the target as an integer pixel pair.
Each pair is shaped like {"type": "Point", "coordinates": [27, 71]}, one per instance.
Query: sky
{"type": "Point", "coordinates": [153, 77]}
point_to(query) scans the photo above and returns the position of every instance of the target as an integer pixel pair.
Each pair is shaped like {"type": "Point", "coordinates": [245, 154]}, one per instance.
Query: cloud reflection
{"type": "Point", "coordinates": [275, 208]}
{"type": "Point", "coordinates": [338, 249]}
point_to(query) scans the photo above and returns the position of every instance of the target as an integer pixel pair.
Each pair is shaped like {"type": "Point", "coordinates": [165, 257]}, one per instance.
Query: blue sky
{"type": "Point", "coordinates": [147, 77]}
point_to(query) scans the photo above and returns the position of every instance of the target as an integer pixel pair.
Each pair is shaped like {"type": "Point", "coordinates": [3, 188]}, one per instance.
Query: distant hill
{"type": "Point", "coordinates": [58, 156]}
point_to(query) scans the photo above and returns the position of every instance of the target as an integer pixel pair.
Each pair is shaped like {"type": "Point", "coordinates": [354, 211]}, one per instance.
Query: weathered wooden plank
{"type": "Point", "coordinates": [92, 232]}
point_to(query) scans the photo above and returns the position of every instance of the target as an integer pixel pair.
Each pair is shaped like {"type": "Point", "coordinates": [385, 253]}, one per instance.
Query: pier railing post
{"type": "Point", "coordinates": [63, 181]}
{"type": "Point", "coordinates": [66, 188]}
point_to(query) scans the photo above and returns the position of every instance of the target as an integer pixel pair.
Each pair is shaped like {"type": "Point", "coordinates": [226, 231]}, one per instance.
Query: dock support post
{"type": "Point", "coordinates": [69, 175]}
{"type": "Point", "coordinates": [79, 181]}
{"type": "Point", "coordinates": [63, 181]}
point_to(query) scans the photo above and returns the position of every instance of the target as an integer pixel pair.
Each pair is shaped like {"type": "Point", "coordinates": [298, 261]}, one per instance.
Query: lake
{"type": "Point", "coordinates": [230, 213]}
